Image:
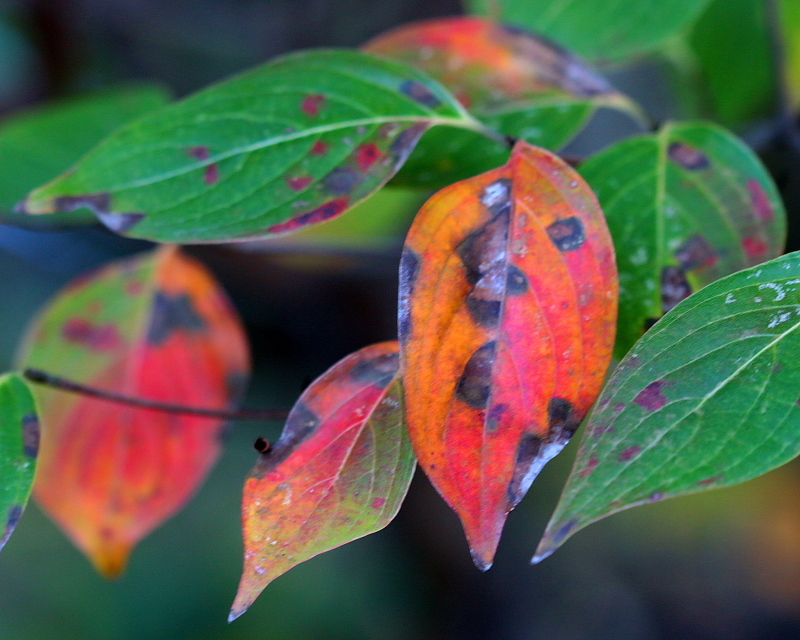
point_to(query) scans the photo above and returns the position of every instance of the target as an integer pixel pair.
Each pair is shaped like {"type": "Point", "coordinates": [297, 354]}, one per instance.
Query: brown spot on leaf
{"type": "Point", "coordinates": [30, 435]}
{"type": "Point", "coordinates": [342, 181]}
{"type": "Point", "coordinates": [171, 314]}
{"type": "Point", "coordinates": [695, 252]}
{"type": "Point", "coordinates": [630, 453]}
{"type": "Point", "coordinates": [212, 174]}
{"type": "Point", "coordinates": [709, 481]}
{"type": "Point", "coordinates": [567, 234]}
{"type": "Point", "coordinates": [687, 156]}
{"type": "Point", "coordinates": [320, 214]}
{"type": "Point", "coordinates": [420, 93]}
{"type": "Point", "coordinates": [312, 104]}
{"type": "Point", "coordinates": [103, 337]}
{"type": "Point", "coordinates": [201, 153]}
{"type": "Point", "coordinates": [651, 397]}
{"type": "Point", "coordinates": [760, 200]}
{"type": "Point", "coordinates": [516, 281]}
{"type": "Point", "coordinates": [674, 287]}
{"type": "Point", "coordinates": [299, 183]}
{"type": "Point", "coordinates": [590, 466]}
{"type": "Point", "coordinates": [563, 423]}
{"type": "Point", "coordinates": [367, 155]}
{"type": "Point", "coordinates": [379, 371]}
{"type": "Point", "coordinates": [320, 148]}
{"type": "Point", "coordinates": [475, 384]}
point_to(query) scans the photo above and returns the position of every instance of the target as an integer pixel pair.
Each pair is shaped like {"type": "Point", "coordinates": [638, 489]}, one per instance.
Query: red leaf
{"type": "Point", "coordinates": [157, 327]}
{"type": "Point", "coordinates": [508, 297]}
{"type": "Point", "coordinates": [339, 471]}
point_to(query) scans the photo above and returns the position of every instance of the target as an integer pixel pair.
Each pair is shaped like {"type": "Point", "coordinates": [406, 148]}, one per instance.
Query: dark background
{"type": "Point", "coordinates": [724, 565]}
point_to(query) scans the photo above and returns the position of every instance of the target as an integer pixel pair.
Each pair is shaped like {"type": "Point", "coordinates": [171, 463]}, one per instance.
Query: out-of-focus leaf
{"type": "Point", "coordinates": [294, 142]}
{"type": "Point", "coordinates": [708, 398]}
{"type": "Point", "coordinates": [508, 295]}
{"type": "Point", "coordinates": [156, 326]}
{"type": "Point", "coordinates": [38, 145]}
{"type": "Point", "coordinates": [513, 81]}
{"type": "Point", "coordinates": [732, 44]}
{"type": "Point", "coordinates": [603, 31]}
{"type": "Point", "coordinates": [19, 446]}
{"type": "Point", "coordinates": [685, 206]}
{"type": "Point", "coordinates": [339, 471]}
{"type": "Point", "coordinates": [789, 24]}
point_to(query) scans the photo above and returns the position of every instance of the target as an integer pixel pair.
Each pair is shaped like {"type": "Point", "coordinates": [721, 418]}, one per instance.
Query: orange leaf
{"type": "Point", "coordinates": [156, 326]}
{"type": "Point", "coordinates": [339, 471]}
{"type": "Point", "coordinates": [508, 301]}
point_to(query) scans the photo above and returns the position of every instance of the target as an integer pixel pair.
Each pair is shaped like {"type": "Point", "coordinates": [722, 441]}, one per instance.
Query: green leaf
{"type": "Point", "coordinates": [38, 145]}
{"type": "Point", "coordinates": [19, 446]}
{"type": "Point", "coordinates": [291, 143]}
{"type": "Point", "coordinates": [685, 207]}
{"type": "Point", "coordinates": [732, 44]}
{"type": "Point", "coordinates": [604, 31]}
{"type": "Point", "coordinates": [789, 19]}
{"type": "Point", "coordinates": [708, 398]}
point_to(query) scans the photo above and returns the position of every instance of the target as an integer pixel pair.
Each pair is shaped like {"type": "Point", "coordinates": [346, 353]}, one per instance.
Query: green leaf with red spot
{"type": "Point", "coordinates": [710, 397]}
{"type": "Point", "coordinates": [508, 295]}
{"type": "Point", "coordinates": [19, 446]}
{"type": "Point", "coordinates": [155, 326]}
{"type": "Point", "coordinates": [685, 206]}
{"type": "Point", "coordinates": [294, 142]}
{"type": "Point", "coordinates": [513, 81]}
{"type": "Point", "coordinates": [339, 471]}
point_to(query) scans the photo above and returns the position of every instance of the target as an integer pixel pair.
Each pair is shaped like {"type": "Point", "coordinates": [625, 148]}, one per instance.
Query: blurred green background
{"type": "Point", "coordinates": [724, 565]}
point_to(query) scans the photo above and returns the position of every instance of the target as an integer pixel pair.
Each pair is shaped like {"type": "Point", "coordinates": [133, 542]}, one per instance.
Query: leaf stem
{"type": "Point", "coordinates": [42, 377]}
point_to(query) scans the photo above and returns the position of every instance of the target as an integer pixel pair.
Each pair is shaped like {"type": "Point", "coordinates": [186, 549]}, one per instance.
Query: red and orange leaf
{"type": "Point", "coordinates": [156, 326]}
{"type": "Point", "coordinates": [508, 301]}
{"type": "Point", "coordinates": [339, 471]}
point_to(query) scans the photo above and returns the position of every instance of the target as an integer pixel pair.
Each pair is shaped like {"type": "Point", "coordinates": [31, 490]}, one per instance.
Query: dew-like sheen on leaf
{"type": "Point", "coordinates": [508, 295]}
{"type": "Point", "coordinates": [339, 471]}
{"type": "Point", "coordinates": [685, 206]}
{"type": "Point", "coordinates": [156, 326]}
{"type": "Point", "coordinates": [513, 81]}
{"type": "Point", "coordinates": [19, 446]}
{"type": "Point", "coordinates": [294, 142]}
{"type": "Point", "coordinates": [710, 397]}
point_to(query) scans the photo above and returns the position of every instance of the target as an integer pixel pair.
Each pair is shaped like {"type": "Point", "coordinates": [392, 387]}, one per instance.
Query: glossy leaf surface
{"type": "Point", "coordinates": [19, 446]}
{"type": "Point", "coordinates": [685, 207]}
{"type": "Point", "coordinates": [339, 471]}
{"type": "Point", "coordinates": [38, 145]}
{"type": "Point", "coordinates": [513, 81]}
{"type": "Point", "coordinates": [157, 327]}
{"type": "Point", "coordinates": [603, 31]}
{"type": "Point", "coordinates": [708, 398]}
{"type": "Point", "coordinates": [508, 294]}
{"type": "Point", "coordinates": [294, 142]}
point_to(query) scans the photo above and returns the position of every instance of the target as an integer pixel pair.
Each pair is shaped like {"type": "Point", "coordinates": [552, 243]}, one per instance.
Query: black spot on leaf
{"type": "Point", "coordinates": [30, 435]}
{"type": "Point", "coordinates": [674, 287]}
{"type": "Point", "coordinates": [475, 384]}
{"type": "Point", "coordinates": [173, 313]}
{"type": "Point", "coordinates": [342, 181]}
{"type": "Point", "coordinates": [694, 253]}
{"type": "Point", "coordinates": [687, 156]}
{"type": "Point", "coordinates": [420, 93]}
{"type": "Point", "coordinates": [527, 454]}
{"type": "Point", "coordinates": [567, 234]}
{"type": "Point", "coordinates": [484, 312]}
{"type": "Point", "coordinates": [379, 371]}
{"type": "Point", "coordinates": [563, 424]}
{"type": "Point", "coordinates": [301, 423]}
{"type": "Point", "coordinates": [516, 281]}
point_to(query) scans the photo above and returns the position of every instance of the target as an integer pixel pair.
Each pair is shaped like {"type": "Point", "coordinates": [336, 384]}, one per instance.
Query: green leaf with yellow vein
{"type": "Point", "coordinates": [685, 206]}
{"type": "Point", "coordinates": [19, 446]}
{"type": "Point", "coordinates": [710, 397]}
{"type": "Point", "coordinates": [294, 142]}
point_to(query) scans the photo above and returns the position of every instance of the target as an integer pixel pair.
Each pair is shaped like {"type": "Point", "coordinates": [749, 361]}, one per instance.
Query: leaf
{"type": "Point", "coordinates": [19, 445]}
{"type": "Point", "coordinates": [788, 17]}
{"type": "Point", "coordinates": [508, 295]}
{"type": "Point", "coordinates": [685, 206]}
{"type": "Point", "coordinates": [294, 142]}
{"type": "Point", "coordinates": [603, 31]}
{"type": "Point", "coordinates": [513, 81]}
{"type": "Point", "coordinates": [708, 398]}
{"type": "Point", "coordinates": [156, 326]}
{"type": "Point", "coordinates": [38, 145]}
{"type": "Point", "coordinates": [339, 471]}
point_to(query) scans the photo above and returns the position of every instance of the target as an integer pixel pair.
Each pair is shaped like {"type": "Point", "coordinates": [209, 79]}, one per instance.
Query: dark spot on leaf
{"type": "Point", "coordinates": [341, 181]}
{"type": "Point", "coordinates": [261, 445]}
{"type": "Point", "coordinates": [755, 247]}
{"type": "Point", "coordinates": [656, 496]}
{"type": "Point", "coordinates": [695, 252]}
{"type": "Point", "coordinates": [299, 183]}
{"type": "Point", "coordinates": [312, 104]}
{"type": "Point", "coordinates": [420, 93]}
{"type": "Point", "coordinates": [563, 422]}
{"type": "Point", "coordinates": [367, 155]}
{"type": "Point", "coordinates": [475, 384]}
{"type": "Point", "coordinates": [760, 200]}
{"type": "Point", "coordinates": [709, 481]}
{"type": "Point", "coordinates": [379, 371]}
{"type": "Point", "coordinates": [496, 197]}
{"type": "Point", "coordinates": [120, 222]}
{"type": "Point", "coordinates": [404, 144]}
{"type": "Point", "coordinates": [212, 174]}
{"type": "Point", "coordinates": [320, 214]}
{"type": "Point", "coordinates": [201, 153]}
{"type": "Point", "coordinates": [527, 454]}
{"type": "Point", "coordinates": [649, 322]}
{"type": "Point", "coordinates": [590, 466]}
{"type": "Point", "coordinates": [103, 337]}
{"type": "Point", "coordinates": [630, 453]}
{"type": "Point", "coordinates": [484, 312]}
{"type": "Point", "coordinates": [687, 156]}
{"type": "Point", "coordinates": [30, 435]}
{"type": "Point", "coordinates": [301, 423]}
{"type": "Point", "coordinates": [14, 514]}
{"type": "Point", "coordinates": [516, 281]}
{"type": "Point", "coordinates": [320, 148]}
{"type": "Point", "coordinates": [564, 531]}
{"type": "Point", "coordinates": [378, 503]}
{"type": "Point", "coordinates": [494, 416]}
{"type": "Point", "coordinates": [674, 287]}
{"type": "Point", "coordinates": [567, 234]}
{"type": "Point", "coordinates": [409, 270]}
{"type": "Point", "coordinates": [173, 313]}
{"type": "Point", "coordinates": [651, 397]}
